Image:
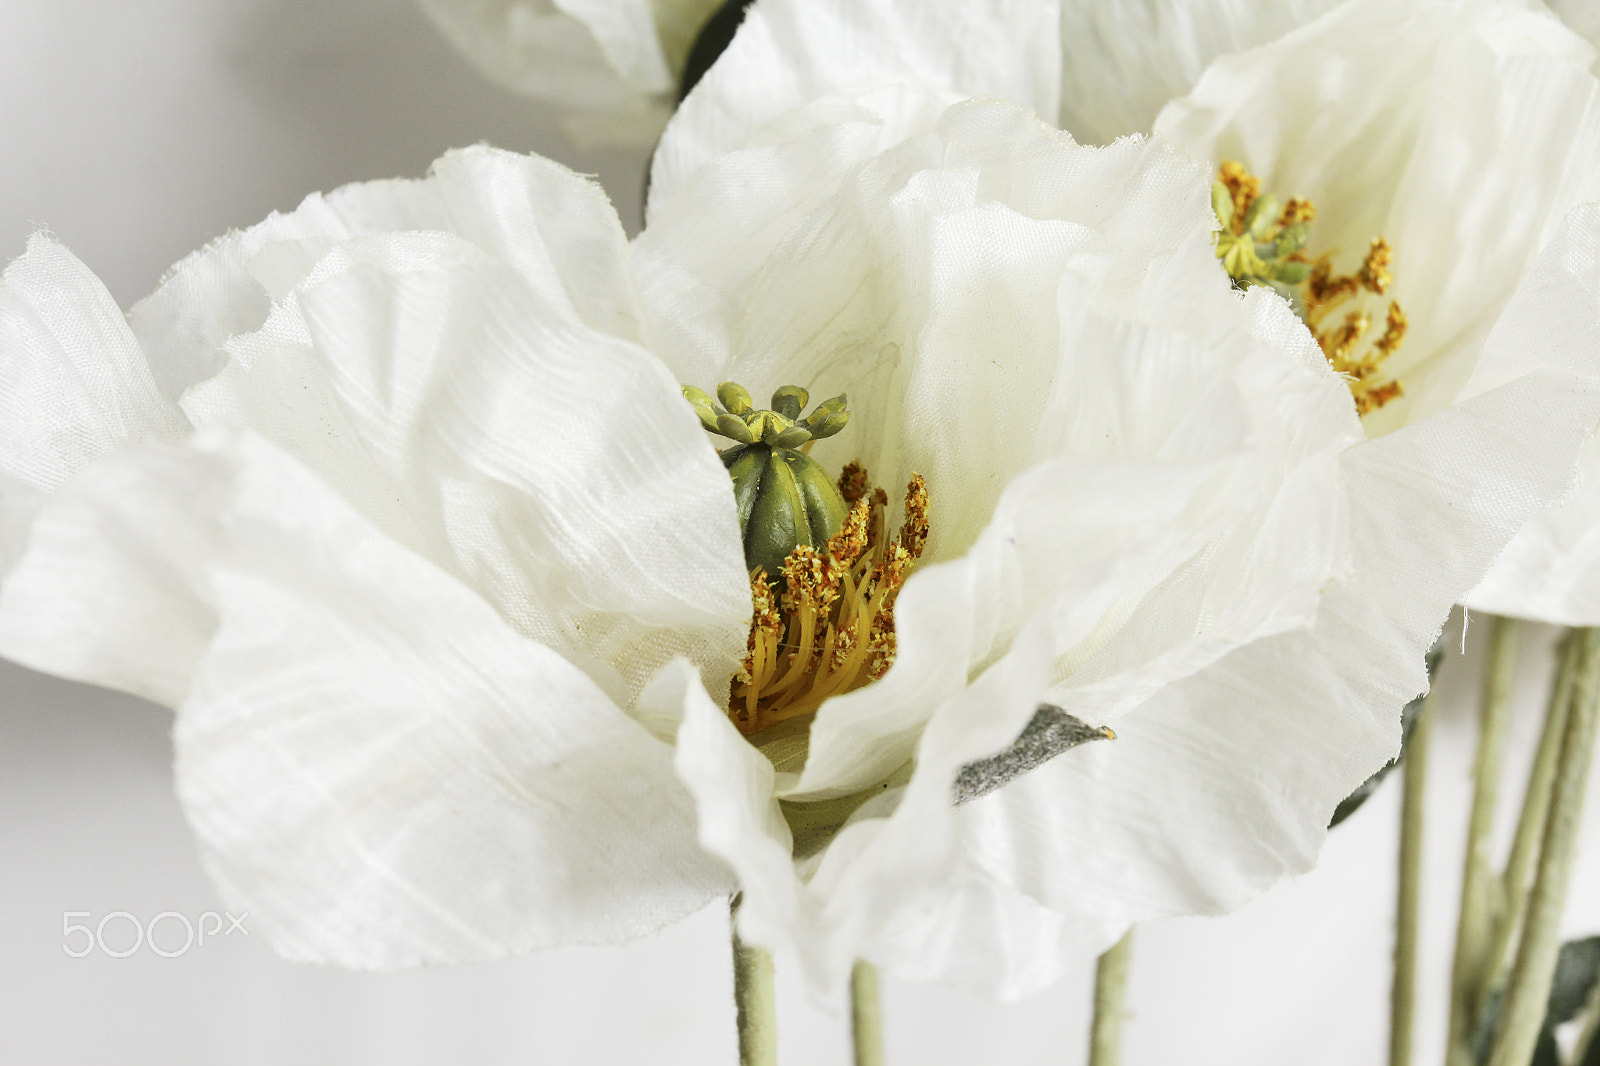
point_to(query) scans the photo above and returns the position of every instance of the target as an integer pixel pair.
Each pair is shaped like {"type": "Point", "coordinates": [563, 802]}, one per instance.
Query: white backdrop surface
{"type": "Point", "coordinates": [136, 132]}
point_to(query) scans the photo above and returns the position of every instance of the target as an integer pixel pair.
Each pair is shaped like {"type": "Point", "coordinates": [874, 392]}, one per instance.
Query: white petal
{"type": "Point", "coordinates": [554, 468]}
{"type": "Point", "coordinates": [107, 585]}
{"type": "Point", "coordinates": [554, 226]}
{"type": "Point", "coordinates": [78, 596]}
{"type": "Point", "coordinates": [1584, 18]}
{"type": "Point", "coordinates": [972, 289]}
{"type": "Point", "coordinates": [384, 774]}
{"type": "Point", "coordinates": [74, 385]}
{"type": "Point", "coordinates": [789, 52]}
{"type": "Point", "coordinates": [1467, 180]}
{"type": "Point", "coordinates": [1551, 571]}
{"type": "Point", "coordinates": [1224, 784]}
{"type": "Point", "coordinates": [597, 58]}
{"type": "Point", "coordinates": [980, 936]}
{"type": "Point", "coordinates": [1121, 60]}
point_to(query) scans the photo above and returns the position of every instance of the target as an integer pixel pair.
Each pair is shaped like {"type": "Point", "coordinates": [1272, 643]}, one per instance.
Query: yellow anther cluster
{"type": "Point", "coordinates": [1343, 343]}
{"type": "Point", "coordinates": [831, 629]}
{"type": "Point", "coordinates": [1260, 245]}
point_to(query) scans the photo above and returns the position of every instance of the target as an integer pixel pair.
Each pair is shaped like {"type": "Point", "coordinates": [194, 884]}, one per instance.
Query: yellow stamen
{"type": "Point", "coordinates": [1267, 255]}
{"type": "Point", "coordinates": [841, 597]}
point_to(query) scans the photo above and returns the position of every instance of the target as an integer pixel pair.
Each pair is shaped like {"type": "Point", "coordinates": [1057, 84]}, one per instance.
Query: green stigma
{"type": "Point", "coordinates": [1263, 245]}
{"type": "Point", "coordinates": [785, 499]}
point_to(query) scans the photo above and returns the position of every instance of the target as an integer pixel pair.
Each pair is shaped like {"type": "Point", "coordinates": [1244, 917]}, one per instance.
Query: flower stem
{"type": "Point", "coordinates": [1403, 992]}
{"type": "Point", "coordinates": [866, 1018]}
{"type": "Point", "coordinates": [1518, 874]}
{"type": "Point", "coordinates": [1110, 982]}
{"type": "Point", "coordinates": [753, 1001]}
{"type": "Point", "coordinates": [1478, 887]}
{"type": "Point", "coordinates": [1529, 988]}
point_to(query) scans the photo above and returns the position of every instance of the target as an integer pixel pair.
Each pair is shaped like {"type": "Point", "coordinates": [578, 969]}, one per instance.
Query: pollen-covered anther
{"type": "Point", "coordinates": [1243, 186]}
{"type": "Point", "coordinates": [1259, 244]}
{"type": "Point", "coordinates": [853, 482]}
{"type": "Point", "coordinates": [833, 627]}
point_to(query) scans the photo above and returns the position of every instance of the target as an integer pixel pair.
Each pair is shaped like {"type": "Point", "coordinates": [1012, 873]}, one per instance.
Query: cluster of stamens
{"type": "Point", "coordinates": [1263, 243]}
{"type": "Point", "coordinates": [828, 625]}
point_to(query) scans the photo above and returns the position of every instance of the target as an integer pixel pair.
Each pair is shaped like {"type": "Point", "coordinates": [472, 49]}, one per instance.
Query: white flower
{"type": "Point", "coordinates": [448, 582]}
{"type": "Point", "coordinates": [1465, 133]}
{"type": "Point", "coordinates": [1474, 132]}
{"type": "Point", "coordinates": [614, 64]}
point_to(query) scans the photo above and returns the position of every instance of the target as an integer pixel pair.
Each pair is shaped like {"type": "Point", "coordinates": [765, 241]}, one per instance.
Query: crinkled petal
{"type": "Point", "coordinates": [1121, 60]}
{"type": "Point", "coordinates": [1551, 570]}
{"type": "Point", "coordinates": [384, 774]}
{"type": "Point", "coordinates": [553, 467]}
{"type": "Point", "coordinates": [78, 594]}
{"type": "Point", "coordinates": [1466, 180]}
{"type": "Point", "coordinates": [1223, 784]}
{"type": "Point", "coordinates": [600, 58]}
{"type": "Point", "coordinates": [1584, 18]}
{"type": "Point", "coordinates": [983, 302]}
{"type": "Point", "coordinates": [554, 226]}
{"type": "Point", "coordinates": [74, 385]}
{"type": "Point", "coordinates": [789, 52]}
{"type": "Point", "coordinates": [106, 585]}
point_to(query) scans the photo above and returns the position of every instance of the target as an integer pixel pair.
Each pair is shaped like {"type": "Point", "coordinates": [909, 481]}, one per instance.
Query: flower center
{"type": "Point", "coordinates": [824, 574]}
{"type": "Point", "coordinates": [1263, 242]}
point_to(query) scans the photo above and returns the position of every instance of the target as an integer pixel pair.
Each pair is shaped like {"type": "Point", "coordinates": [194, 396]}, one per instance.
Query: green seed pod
{"type": "Point", "coordinates": [735, 398]}
{"type": "Point", "coordinates": [703, 407]}
{"type": "Point", "coordinates": [792, 501]}
{"type": "Point", "coordinates": [827, 427]}
{"type": "Point", "coordinates": [828, 418]}
{"type": "Point", "coordinates": [783, 497]}
{"type": "Point", "coordinates": [1292, 272]}
{"type": "Point", "coordinates": [1262, 215]}
{"type": "Point", "coordinates": [733, 427]}
{"type": "Point", "coordinates": [792, 437]}
{"type": "Point", "coordinates": [1293, 238]}
{"type": "Point", "coordinates": [790, 400]}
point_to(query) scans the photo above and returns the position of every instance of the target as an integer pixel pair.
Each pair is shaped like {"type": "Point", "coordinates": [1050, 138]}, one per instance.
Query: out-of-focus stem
{"type": "Point", "coordinates": [1528, 991]}
{"type": "Point", "coordinates": [866, 1017]}
{"type": "Point", "coordinates": [754, 1005]}
{"type": "Point", "coordinates": [1403, 992]}
{"type": "Point", "coordinates": [1518, 874]}
{"type": "Point", "coordinates": [1478, 887]}
{"type": "Point", "coordinates": [1110, 984]}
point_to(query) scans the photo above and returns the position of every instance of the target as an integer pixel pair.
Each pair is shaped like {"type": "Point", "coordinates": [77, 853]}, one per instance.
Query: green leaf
{"type": "Point", "coordinates": [1577, 968]}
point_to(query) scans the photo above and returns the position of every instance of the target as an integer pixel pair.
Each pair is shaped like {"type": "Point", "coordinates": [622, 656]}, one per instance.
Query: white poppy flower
{"type": "Point", "coordinates": [1468, 135]}
{"type": "Point", "coordinates": [450, 566]}
{"type": "Point", "coordinates": [614, 64]}
{"type": "Point", "coordinates": [1466, 205]}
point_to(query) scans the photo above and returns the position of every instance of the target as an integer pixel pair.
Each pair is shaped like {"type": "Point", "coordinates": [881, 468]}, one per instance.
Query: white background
{"type": "Point", "coordinates": [136, 132]}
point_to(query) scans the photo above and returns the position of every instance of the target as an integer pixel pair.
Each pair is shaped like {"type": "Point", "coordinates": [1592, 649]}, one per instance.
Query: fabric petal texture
{"type": "Point", "coordinates": [789, 53]}
{"type": "Point", "coordinates": [447, 583]}
{"type": "Point", "coordinates": [81, 593]}
{"type": "Point", "coordinates": [613, 64]}
{"type": "Point", "coordinates": [386, 774]}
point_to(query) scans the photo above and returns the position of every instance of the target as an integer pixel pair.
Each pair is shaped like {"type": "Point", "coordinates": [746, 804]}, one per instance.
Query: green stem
{"type": "Point", "coordinates": [1528, 991]}
{"type": "Point", "coordinates": [1403, 992]}
{"type": "Point", "coordinates": [866, 1017]}
{"type": "Point", "coordinates": [1110, 983]}
{"type": "Point", "coordinates": [753, 1001]}
{"type": "Point", "coordinates": [1518, 874]}
{"type": "Point", "coordinates": [1475, 925]}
